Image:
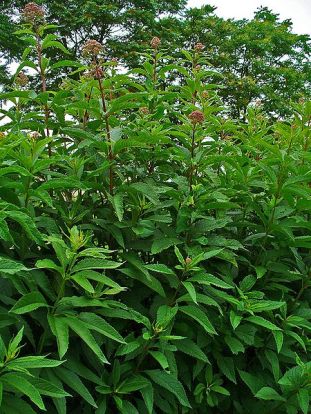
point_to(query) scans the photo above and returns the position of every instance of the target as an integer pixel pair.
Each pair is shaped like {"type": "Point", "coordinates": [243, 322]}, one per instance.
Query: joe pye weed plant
{"type": "Point", "coordinates": [155, 254]}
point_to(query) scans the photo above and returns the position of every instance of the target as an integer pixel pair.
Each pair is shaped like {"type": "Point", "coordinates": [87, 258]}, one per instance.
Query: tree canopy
{"type": "Point", "coordinates": [258, 61]}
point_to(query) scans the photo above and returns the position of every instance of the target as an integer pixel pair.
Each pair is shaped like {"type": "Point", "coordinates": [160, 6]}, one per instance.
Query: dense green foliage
{"type": "Point", "coordinates": [155, 253]}
{"type": "Point", "coordinates": [256, 60]}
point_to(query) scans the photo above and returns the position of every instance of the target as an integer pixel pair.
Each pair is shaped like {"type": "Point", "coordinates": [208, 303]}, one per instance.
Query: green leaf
{"type": "Point", "coordinates": [85, 264]}
{"type": "Point", "coordinates": [48, 388]}
{"type": "Point", "coordinates": [253, 382]}
{"type": "Point", "coordinates": [83, 282]}
{"type": "Point", "coordinates": [227, 367]}
{"type": "Point", "coordinates": [11, 266]}
{"type": "Point", "coordinates": [54, 44]}
{"type": "Point", "coordinates": [25, 387]}
{"type": "Point", "coordinates": [32, 362]}
{"type": "Point", "coordinates": [179, 256]}
{"type": "Point", "coordinates": [80, 328]}
{"type": "Point", "coordinates": [13, 405]}
{"type": "Point", "coordinates": [60, 329]}
{"type": "Point", "coordinates": [160, 268]}
{"type": "Point", "coordinates": [139, 272]}
{"type": "Point", "coordinates": [147, 394]}
{"type": "Point", "coordinates": [187, 346]}
{"type": "Point", "coordinates": [96, 323]}
{"type": "Point", "coordinates": [66, 63]}
{"type": "Point", "coordinates": [191, 290]}
{"type": "Point", "coordinates": [208, 279]}
{"type": "Point", "coordinates": [48, 264]}
{"type": "Point", "coordinates": [160, 358]}
{"type": "Point", "coordinates": [234, 344]}
{"type": "Point", "coordinates": [278, 337]}
{"type": "Point", "coordinates": [164, 243]}
{"type": "Point", "coordinates": [197, 314]}
{"type": "Point", "coordinates": [220, 390]}
{"type": "Point", "coordinates": [27, 224]}
{"type": "Point", "coordinates": [29, 302]}
{"type": "Point", "coordinates": [171, 384]}
{"type": "Point", "coordinates": [268, 393]}
{"type": "Point", "coordinates": [304, 400]}
{"type": "Point", "coordinates": [75, 383]}
{"type": "Point", "coordinates": [132, 383]}
{"type": "Point", "coordinates": [258, 320]}
{"type": "Point", "coordinates": [117, 203]}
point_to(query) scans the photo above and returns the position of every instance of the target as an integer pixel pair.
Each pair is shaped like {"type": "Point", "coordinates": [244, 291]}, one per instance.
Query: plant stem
{"type": "Point", "coordinates": [192, 156]}
{"type": "Point", "coordinates": [110, 154]}
{"type": "Point", "coordinates": [43, 87]}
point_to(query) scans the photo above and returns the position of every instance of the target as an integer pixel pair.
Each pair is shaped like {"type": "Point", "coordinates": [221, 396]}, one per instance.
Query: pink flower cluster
{"type": "Point", "coordinates": [91, 48]}
{"type": "Point", "coordinates": [196, 117]}
{"type": "Point", "coordinates": [33, 13]}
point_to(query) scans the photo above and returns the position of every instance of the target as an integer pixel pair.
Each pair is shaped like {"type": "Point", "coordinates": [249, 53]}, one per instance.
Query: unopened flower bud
{"type": "Point", "coordinates": [91, 48]}
{"type": "Point", "coordinates": [34, 135]}
{"type": "Point", "coordinates": [144, 110]}
{"type": "Point", "coordinates": [2, 135]}
{"type": "Point", "coordinates": [97, 73]}
{"type": "Point", "coordinates": [196, 117]}
{"type": "Point", "coordinates": [21, 79]}
{"type": "Point", "coordinates": [155, 42]}
{"type": "Point", "coordinates": [33, 13]}
{"type": "Point", "coordinates": [197, 68]}
{"type": "Point", "coordinates": [188, 260]}
{"type": "Point", "coordinates": [205, 94]}
{"type": "Point", "coordinates": [199, 47]}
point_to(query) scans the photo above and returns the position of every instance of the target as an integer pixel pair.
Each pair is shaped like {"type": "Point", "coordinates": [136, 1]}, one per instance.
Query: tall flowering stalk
{"type": "Point", "coordinates": [155, 43]}
{"type": "Point", "coordinates": [34, 15]}
{"type": "Point", "coordinates": [92, 49]}
{"type": "Point", "coordinates": [196, 117]}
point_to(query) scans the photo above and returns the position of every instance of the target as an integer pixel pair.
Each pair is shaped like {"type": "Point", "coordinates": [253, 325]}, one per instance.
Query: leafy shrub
{"type": "Point", "coordinates": [155, 254]}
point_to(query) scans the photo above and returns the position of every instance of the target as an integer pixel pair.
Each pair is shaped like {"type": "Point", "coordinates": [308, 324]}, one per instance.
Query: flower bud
{"type": "Point", "coordinates": [199, 47]}
{"type": "Point", "coordinates": [33, 13]}
{"type": "Point", "coordinates": [155, 42]}
{"type": "Point", "coordinates": [91, 48]}
{"type": "Point", "coordinates": [34, 135]}
{"type": "Point", "coordinates": [188, 260]}
{"type": "Point", "coordinates": [144, 110]}
{"type": "Point", "coordinates": [205, 94]}
{"type": "Point", "coordinates": [196, 117]}
{"type": "Point", "coordinates": [97, 72]}
{"type": "Point", "coordinates": [21, 79]}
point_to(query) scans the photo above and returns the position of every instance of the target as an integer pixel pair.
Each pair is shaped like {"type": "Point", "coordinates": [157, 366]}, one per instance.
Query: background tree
{"type": "Point", "coordinates": [258, 61]}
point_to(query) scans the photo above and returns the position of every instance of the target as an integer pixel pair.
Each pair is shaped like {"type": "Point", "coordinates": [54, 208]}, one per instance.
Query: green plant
{"type": "Point", "coordinates": [154, 252]}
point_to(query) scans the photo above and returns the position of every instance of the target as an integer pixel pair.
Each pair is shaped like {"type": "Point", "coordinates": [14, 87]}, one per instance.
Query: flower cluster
{"type": "Point", "coordinates": [155, 42]}
{"type": "Point", "coordinates": [21, 79]}
{"type": "Point", "coordinates": [196, 117]}
{"type": "Point", "coordinates": [91, 48]}
{"type": "Point", "coordinates": [199, 47]}
{"type": "Point", "coordinates": [34, 135]}
{"type": "Point", "coordinates": [205, 94]}
{"type": "Point", "coordinates": [33, 13]}
{"type": "Point", "coordinates": [97, 72]}
{"type": "Point", "coordinates": [144, 110]}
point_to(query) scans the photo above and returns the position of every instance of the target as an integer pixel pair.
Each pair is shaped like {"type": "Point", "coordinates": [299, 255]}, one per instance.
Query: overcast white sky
{"type": "Point", "coordinates": [297, 10]}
